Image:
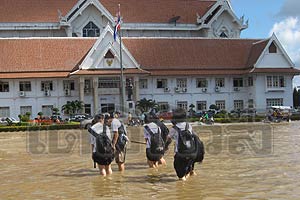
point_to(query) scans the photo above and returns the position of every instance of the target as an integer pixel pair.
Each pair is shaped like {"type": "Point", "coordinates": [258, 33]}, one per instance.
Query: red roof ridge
{"type": "Point", "coordinates": [191, 38]}
{"type": "Point", "coordinates": [49, 38]}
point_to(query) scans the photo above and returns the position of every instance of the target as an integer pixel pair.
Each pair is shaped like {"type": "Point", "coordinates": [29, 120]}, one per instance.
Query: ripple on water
{"type": "Point", "coordinates": [221, 176]}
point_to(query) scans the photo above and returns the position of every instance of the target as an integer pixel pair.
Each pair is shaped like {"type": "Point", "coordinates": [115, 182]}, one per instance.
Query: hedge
{"type": "Point", "coordinates": [39, 128]}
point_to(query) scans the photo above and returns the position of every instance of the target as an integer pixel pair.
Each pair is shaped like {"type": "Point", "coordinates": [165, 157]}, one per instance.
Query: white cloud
{"type": "Point", "coordinates": [288, 33]}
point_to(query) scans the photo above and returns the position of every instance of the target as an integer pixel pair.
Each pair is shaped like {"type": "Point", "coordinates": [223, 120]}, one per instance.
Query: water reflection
{"type": "Point", "coordinates": [231, 169]}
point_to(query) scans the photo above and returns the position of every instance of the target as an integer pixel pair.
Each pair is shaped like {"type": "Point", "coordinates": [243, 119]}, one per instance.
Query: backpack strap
{"type": "Point", "coordinates": [148, 130]}
{"type": "Point", "coordinates": [104, 129]}
{"type": "Point", "coordinates": [93, 133]}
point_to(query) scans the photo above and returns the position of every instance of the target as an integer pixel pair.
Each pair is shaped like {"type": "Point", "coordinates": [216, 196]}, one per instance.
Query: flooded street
{"type": "Point", "coordinates": [243, 161]}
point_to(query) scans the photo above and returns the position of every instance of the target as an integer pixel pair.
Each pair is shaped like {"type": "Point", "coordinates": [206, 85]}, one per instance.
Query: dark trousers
{"type": "Point", "coordinates": [183, 166]}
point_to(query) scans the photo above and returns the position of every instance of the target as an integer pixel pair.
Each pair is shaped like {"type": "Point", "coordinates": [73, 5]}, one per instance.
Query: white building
{"type": "Point", "coordinates": [174, 52]}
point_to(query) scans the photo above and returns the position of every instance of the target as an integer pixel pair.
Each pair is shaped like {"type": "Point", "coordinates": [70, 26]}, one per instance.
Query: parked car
{"type": "Point", "coordinates": [8, 121]}
{"type": "Point", "coordinates": [79, 117]}
{"type": "Point", "coordinates": [86, 123]}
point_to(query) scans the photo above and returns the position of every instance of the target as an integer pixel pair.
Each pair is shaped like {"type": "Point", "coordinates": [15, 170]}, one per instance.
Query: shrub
{"type": "Point", "coordinates": [36, 128]}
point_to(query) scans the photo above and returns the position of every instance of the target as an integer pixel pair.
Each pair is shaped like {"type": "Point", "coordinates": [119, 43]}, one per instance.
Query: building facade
{"type": "Point", "coordinates": [174, 52]}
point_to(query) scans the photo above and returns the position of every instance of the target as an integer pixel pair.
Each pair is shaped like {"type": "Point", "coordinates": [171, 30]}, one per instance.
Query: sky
{"type": "Point", "coordinates": [266, 17]}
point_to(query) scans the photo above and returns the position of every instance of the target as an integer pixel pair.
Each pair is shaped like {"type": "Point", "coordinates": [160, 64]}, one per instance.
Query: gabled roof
{"type": "Point", "coordinates": [132, 11]}
{"type": "Point", "coordinates": [256, 51]}
{"type": "Point", "coordinates": [42, 54]}
{"type": "Point", "coordinates": [58, 57]}
{"type": "Point", "coordinates": [190, 53]}
{"type": "Point", "coordinates": [34, 10]}
{"type": "Point", "coordinates": [158, 11]}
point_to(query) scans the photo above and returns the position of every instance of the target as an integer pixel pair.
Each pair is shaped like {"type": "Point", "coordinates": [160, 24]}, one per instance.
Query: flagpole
{"type": "Point", "coordinates": [122, 74]}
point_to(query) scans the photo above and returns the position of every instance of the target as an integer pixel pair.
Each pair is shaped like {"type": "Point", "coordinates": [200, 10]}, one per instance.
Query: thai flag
{"type": "Point", "coordinates": [118, 24]}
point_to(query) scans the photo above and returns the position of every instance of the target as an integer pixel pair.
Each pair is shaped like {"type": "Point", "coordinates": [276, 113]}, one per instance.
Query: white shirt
{"type": "Point", "coordinates": [174, 134]}
{"type": "Point", "coordinates": [98, 128]}
{"type": "Point", "coordinates": [115, 124]}
{"type": "Point", "coordinates": [154, 128]}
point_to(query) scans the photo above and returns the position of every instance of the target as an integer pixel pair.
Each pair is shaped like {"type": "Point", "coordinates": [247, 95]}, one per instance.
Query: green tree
{"type": "Point", "coordinates": [40, 114]}
{"type": "Point", "coordinates": [296, 98]}
{"type": "Point", "coordinates": [55, 111]}
{"type": "Point", "coordinates": [213, 107]}
{"type": "Point", "coordinates": [72, 107]}
{"type": "Point", "coordinates": [146, 104]}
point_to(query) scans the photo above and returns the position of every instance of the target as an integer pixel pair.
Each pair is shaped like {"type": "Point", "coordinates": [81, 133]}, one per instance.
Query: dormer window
{"type": "Point", "coordinates": [109, 55]}
{"type": "Point", "coordinates": [272, 48]}
{"type": "Point", "coordinates": [223, 35]}
{"type": "Point", "coordinates": [91, 30]}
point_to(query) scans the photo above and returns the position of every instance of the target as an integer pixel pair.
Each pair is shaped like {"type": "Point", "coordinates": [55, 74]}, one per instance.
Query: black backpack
{"type": "Point", "coordinates": [104, 147]}
{"type": "Point", "coordinates": [200, 149]}
{"type": "Point", "coordinates": [187, 147]}
{"type": "Point", "coordinates": [122, 139]}
{"type": "Point", "coordinates": [157, 143]}
{"type": "Point", "coordinates": [164, 130]}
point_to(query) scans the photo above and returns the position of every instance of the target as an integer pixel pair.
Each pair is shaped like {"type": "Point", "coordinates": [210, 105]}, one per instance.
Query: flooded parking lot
{"type": "Point", "coordinates": [243, 161]}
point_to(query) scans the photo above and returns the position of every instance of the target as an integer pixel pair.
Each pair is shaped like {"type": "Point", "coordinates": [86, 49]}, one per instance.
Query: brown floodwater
{"type": "Point", "coordinates": [242, 161]}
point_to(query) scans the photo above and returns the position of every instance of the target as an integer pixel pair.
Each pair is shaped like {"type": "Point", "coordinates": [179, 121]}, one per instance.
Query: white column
{"type": "Point", "coordinates": [95, 95]}
{"type": "Point", "coordinates": [136, 89]}
{"type": "Point", "coordinates": [81, 91]}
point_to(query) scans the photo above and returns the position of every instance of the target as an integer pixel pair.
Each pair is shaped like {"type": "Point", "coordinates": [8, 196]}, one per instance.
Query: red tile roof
{"type": "Point", "coordinates": [191, 53]}
{"type": "Point", "coordinates": [57, 57]}
{"type": "Point", "coordinates": [34, 10]}
{"type": "Point", "coordinates": [148, 11]}
{"type": "Point", "coordinates": [159, 11]}
{"type": "Point", "coordinates": [17, 75]}
{"type": "Point", "coordinates": [42, 54]}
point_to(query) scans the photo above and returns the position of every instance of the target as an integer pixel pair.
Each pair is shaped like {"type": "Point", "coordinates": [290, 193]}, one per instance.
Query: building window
{"type": "Point", "coordinates": [182, 104]}
{"type": "Point", "coordinates": [250, 81]}
{"type": "Point", "coordinates": [143, 83]}
{"type": "Point", "coordinates": [4, 87]}
{"type": "Point", "coordinates": [161, 83]}
{"type": "Point", "coordinates": [181, 82]}
{"type": "Point", "coordinates": [272, 48]}
{"type": "Point", "coordinates": [238, 104]}
{"type": "Point", "coordinates": [201, 83]}
{"type": "Point", "coordinates": [201, 105]}
{"type": "Point", "coordinates": [25, 109]}
{"type": "Point", "coordinates": [69, 85]}
{"type": "Point", "coordinates": [47, 110]}
{"type": "Point", "coordinates": [250, 103]}
{"type": "Point", "coordinates": [91, 30]}
{"type": "Point", "coordinates": [221, 104]}
{"type": "Point", "coordinates": [163, 106]}
{"type": "Point", "coordinates": [87, 109]}
{"type": "Point", "coordinates": [46, 86]}
{"type": "Point", "coordinates": [220, 82]}
{"type": "Point", "coordinates": [4, 112]}
{"type": "Point", "coordinates": [238, 82]}
{"type": "Point", "coordinates": [275, 102]}
{"type": "Point", "coordinates": [275, 82]}
{"type": "Point", "coordinates": [112, 82]}
{"type": "Point", "coordinates": [25, 86]}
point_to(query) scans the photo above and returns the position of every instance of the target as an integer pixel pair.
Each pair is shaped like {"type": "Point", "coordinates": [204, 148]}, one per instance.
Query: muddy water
{"type": "Point", "coordinates": [244, 161]}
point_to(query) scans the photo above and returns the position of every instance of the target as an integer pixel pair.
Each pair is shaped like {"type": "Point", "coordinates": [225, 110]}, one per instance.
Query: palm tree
{"type": "Point", "coordinates": [146, 104]}
{"type": "Point", "coordinates": [72, 107]}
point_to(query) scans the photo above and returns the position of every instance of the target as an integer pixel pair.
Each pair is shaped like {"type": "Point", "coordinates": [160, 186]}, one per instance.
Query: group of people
{"type": "Point", "coordinates": [188, 147]}
{"type": "Point", "coordinates": [106, 146]}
